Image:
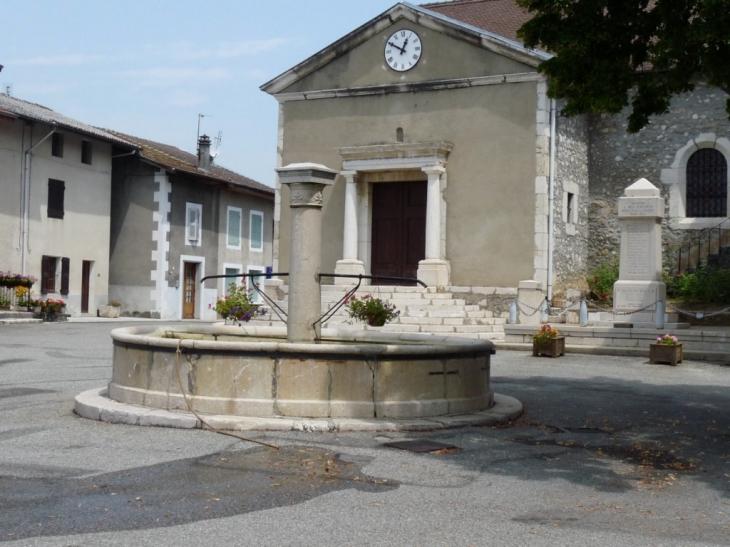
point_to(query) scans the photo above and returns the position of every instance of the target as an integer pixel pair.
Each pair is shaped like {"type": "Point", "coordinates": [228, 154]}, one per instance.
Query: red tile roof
{"type": "Point", "coordinates": [502, 17]}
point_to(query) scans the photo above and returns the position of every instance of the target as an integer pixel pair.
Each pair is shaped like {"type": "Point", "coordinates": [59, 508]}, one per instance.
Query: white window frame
{"type": "Point", "coordinates": [251, 246]}
{"type": "Point", "coordinates": [193, 224]}
{"type": "Point", "coordinates": [255, 296]}
{"type": "Point", "coordinates": [226, 266]}
{"type": "Point", "coordinates": [675, 178]}
{"type": "Point", "coordinates": [228, 227]}
{"type": "Point", "coordinates": [570, 214]}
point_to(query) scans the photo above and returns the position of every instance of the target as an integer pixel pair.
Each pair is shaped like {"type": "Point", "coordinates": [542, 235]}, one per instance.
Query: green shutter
{"type": "Point", "coordinates": [257, 231]}
{"type": "Point", "coordinates": [234, 228]}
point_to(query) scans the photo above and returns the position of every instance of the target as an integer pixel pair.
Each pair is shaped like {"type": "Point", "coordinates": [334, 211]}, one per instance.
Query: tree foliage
{"type": "Point", "coordinates": [612, 53]}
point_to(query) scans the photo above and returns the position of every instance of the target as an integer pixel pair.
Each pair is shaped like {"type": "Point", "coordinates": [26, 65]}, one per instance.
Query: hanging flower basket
{"type": "Point", "coordinates": [373, 311]}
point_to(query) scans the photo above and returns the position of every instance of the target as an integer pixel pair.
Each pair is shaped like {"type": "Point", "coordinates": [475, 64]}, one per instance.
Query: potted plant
{"type": "Point", "coordinates": [236, 306]}
{"type": "Point", "coordinates": [111, 310]}
{"type": "Point", "coordinates": [52, 310]}
{"type": "Point", "coordinates": [666, 349]}
{"type": "Point", "coordinates": [548, 341]}
{"type": "Point", "coordinates": [373, 311]}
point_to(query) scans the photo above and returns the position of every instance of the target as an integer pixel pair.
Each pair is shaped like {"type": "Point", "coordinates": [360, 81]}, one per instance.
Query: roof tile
{"type": "Point", "coordinates": [502, 17]}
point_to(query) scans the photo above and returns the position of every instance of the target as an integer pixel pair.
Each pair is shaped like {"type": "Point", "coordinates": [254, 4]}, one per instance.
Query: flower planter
{"type": "Point", "coordinates": [554, 347]}
{"type": "Point", "coordinates": [109, 311]}
{"type": "Point", "coordinates": [665, 353]}
{"type": "Point", "coordinates": [54, 317]}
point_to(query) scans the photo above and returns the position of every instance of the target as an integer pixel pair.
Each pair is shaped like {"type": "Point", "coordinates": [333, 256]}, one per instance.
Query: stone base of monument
{"type": "Point", "coordinates": [643, 320]}
{"type": "Point", "coordinates": [637, 295]}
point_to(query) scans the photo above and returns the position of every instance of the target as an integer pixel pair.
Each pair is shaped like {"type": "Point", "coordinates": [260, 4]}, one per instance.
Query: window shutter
{"type": "Point", "coordinates": [45, 273]}
{"type": "Point", "coordinates": [234, 228]}
{"type": "Point", "coordinates": [65, 264]}
{"type": "Point", "coordinates": [257, 225]}
{"type": "Point", "coordinates": [56, 189]}
{"type": "Point", "coordinates": [193, 224]}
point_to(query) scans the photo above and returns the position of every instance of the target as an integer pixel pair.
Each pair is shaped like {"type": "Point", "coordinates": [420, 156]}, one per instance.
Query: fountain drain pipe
{"type": "Point", "coordinates": [551, 202]}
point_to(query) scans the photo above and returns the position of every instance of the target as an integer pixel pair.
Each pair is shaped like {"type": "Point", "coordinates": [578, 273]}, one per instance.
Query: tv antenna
{"type": "Point", "coordinates": [217, 146]}
{"type": "Point", "coordinates": [200, 117]}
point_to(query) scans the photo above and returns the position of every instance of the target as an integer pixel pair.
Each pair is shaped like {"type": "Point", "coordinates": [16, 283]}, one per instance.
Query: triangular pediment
{"type": "Point", "coordinates": [350, 58]}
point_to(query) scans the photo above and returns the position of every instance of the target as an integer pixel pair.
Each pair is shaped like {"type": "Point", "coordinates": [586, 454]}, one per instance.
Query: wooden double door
{"type": "Point", "coordinates": [399, 229]}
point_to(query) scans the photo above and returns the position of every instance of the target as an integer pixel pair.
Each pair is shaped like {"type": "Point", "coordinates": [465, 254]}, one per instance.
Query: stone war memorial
{"type": "Point", "coordinates": [640, 286]}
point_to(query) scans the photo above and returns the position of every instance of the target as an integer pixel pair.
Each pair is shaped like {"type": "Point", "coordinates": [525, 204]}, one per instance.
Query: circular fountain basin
{"type": "Point", "coordinates": [254, 371]}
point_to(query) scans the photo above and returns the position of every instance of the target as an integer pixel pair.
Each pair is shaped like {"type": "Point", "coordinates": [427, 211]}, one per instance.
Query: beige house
{"type": "Point", "coordinates": [55, 179]}
{"type": "Point", "coordinates": [441, 133]}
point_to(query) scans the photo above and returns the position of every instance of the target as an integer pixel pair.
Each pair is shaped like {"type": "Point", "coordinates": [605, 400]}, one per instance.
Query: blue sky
{"type": "Point", "coordinates": [149, 67]}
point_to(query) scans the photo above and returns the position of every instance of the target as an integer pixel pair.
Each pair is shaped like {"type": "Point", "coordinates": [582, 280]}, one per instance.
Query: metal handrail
{"type": "Point", "coordinates": [274, 306]}
{"type": "Point", "coordinates": [702, 240]}
{"type": "Point", "coordinates": [334, 309]}
{"type": "Point", "coordinates": [341, 302]}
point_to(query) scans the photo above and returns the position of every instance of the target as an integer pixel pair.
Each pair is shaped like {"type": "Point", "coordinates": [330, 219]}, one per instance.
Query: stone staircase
{"type": "Point", "coordinates": [9, 317]}
{"type": "Point", "coordinates": [721, 259]}
{"type": "Point", "coordinates": [422, 310]}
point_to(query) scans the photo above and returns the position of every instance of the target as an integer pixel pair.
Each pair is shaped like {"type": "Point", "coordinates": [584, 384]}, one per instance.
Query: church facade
{"type": "Point", "coordinates": [454, 165]}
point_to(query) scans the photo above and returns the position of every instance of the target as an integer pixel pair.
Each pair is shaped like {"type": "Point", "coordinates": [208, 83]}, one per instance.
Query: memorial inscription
{"type": "Point", "coordinates": [638, 247]}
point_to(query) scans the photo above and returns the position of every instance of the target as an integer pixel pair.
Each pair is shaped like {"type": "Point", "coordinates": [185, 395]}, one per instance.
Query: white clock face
{"type": "Point", "coordinates": [403, 50]}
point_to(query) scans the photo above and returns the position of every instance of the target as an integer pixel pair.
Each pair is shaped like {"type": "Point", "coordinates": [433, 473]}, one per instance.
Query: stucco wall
{"type": "Point", "coordinates": [442, 57]}
{"type": "Point", "coordinates": [11, 162]}
{"type": "Point", "coordinates": [82, 234]}
{"type": "Point", "coordinates": [491, 170]}
{"type": "Point", "coordinates": [244, 256]}
{"type": "Point", "coordinates": [132, 223]}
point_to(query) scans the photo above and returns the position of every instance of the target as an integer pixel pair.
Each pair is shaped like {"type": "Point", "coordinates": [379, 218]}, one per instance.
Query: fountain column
{"type": "Point", "coordinates": [306, 183]}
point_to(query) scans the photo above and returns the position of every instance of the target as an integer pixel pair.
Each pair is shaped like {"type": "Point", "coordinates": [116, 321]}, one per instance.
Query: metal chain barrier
{"type": "Point", "coordinates": [697, 314]}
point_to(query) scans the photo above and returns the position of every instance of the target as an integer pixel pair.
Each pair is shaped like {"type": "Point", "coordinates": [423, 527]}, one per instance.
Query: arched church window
{"type": "Point", "coordinates": [707, 181]}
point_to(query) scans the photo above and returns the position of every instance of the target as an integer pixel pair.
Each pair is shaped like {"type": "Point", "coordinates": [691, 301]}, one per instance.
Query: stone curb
{"type": "Point", "coordinates": [695, 355]}
{"type": "Point", "coordinates": [95, 405]}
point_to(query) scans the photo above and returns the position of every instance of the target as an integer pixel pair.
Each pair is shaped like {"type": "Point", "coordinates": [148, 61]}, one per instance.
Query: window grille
{"type": "Point", "coordinates": [707, 180]}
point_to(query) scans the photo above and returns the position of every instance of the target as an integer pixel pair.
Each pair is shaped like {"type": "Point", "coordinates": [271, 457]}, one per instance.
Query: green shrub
{"type": "Point", "coordinates": [707, 284]}
{"type": "Point", "coordinates": [601, 281]}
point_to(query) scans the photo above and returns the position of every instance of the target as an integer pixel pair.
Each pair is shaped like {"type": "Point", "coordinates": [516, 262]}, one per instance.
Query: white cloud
{"type": "Point", "coordinates": [55, 60]}
{"type": "Point", "coordinates": [185, 98]}
{"type": "Point", "coordinates": [164, 77]}
{"type": "Point", "coordinates": [250, 47]}
{"type": "Point", "coordinates": [189, 51]}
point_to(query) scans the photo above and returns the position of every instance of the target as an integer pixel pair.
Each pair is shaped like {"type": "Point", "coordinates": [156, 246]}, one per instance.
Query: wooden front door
{"type": "Point", "coordinates": [399, 229]}
{"type": "Point", "coordinates": [85, 282]}
{"type": "Point", "coordinates": [190, 270]}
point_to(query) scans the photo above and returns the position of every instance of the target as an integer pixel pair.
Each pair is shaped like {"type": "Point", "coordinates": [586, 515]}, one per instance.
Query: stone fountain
{"type": "Point", "coordinates": [301, 376]}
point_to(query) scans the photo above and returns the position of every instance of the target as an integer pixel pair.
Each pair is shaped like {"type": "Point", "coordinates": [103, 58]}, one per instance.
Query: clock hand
{"type": "Point", "coordinates": [401, 49]}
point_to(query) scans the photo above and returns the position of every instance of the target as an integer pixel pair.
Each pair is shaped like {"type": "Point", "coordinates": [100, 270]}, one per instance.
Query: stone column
{"type": "Point", "coordinates": [306, 183]}
{"type": "Point", "coordinates": [349, 265]}
{"type": "Point", "coordinates": [434, 270]}
{"type": "Point", "coordinates": [640, 284]}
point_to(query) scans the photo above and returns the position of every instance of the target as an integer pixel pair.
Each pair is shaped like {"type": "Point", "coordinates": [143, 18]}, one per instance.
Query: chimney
{"type": "Point", "coordinates": [204, 153]}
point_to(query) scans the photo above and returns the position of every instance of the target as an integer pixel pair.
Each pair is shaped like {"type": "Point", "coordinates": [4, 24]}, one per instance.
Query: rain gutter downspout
{"type": "Point", "coordinates": [551, 203]}
{"type": "Point", "coordinates": [26, 202]}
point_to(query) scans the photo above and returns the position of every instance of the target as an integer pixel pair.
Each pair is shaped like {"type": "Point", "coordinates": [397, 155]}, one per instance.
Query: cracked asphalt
{"type": "Point", "coordinates": [610, 451]}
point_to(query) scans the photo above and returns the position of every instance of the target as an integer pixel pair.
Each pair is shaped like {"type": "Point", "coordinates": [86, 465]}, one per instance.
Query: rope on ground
{"type": "Point", "coordinates": [178, 352]}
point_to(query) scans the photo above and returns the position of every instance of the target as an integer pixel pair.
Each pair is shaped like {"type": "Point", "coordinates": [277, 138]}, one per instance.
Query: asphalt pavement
{"type": "Point", "coordinates": [611, 451]}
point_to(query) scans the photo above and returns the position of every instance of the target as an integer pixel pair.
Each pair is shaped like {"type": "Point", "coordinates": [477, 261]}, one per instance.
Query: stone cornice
{"type": "Point", "coordinates": [432, 85]}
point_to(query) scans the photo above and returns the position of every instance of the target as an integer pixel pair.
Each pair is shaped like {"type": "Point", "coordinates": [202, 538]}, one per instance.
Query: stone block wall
{"type": "Point", "coordinates": [617, 160]}
{"type": "Point", "coordinates": [570, 265]}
